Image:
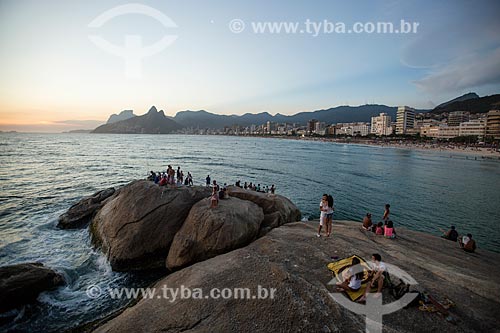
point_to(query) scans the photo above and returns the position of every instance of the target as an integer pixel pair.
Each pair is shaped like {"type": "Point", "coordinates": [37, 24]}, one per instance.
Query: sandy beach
{"type": "Point", "coordinates": [448, 148]}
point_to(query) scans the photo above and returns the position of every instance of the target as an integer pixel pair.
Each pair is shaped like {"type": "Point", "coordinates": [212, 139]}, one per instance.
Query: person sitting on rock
{"type": "Point", "coordinates": [376, 276]}
{"type": "Point", "coordinates": [163, 181]}
{"type": "Point", "coordinates": [222, 193]}
{"type": "Point", "coordinates": [467, 243]}
{"type": "Point", "coordinates": [214, 198]}
{"type": "Point", "coordinates": [352, 277]}
{"type": "Point", "coordinates": [451, 234]}
{"type": "Point", "coordinates": [367, 222]}
{"type": "Point", "coordinates": [389, 231]}
{"type": "Point", "coordinates": [379, 229]}
{"type": "Point", "coordinates": [151, 176]}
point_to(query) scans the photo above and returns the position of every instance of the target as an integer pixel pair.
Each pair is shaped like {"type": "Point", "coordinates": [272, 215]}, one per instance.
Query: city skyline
{"type": "Point", "coordinates": [53, 72]}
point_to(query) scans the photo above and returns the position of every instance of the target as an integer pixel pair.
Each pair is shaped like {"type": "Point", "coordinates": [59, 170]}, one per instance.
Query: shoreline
{"type": "Point", "coordinates": [483, 152]}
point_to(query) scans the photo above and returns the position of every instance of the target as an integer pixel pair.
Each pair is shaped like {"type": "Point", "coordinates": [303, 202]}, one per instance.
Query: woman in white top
{"type": "Point", "coordinates": [352, 276]}
{"type": "Point", "coordinates": [323, 207]}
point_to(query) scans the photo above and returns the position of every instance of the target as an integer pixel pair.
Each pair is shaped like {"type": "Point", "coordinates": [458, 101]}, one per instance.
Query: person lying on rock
{"type": "Point", "coordinates": [467, 243]}
{"type": "Point", "coordinates": [352, 277]}
{"type": "Point", "coordinates": [376, 277]}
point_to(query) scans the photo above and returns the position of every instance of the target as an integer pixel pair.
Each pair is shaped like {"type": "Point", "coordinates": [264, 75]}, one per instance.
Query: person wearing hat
{"type": "Point", "coordinates": [451, 234]}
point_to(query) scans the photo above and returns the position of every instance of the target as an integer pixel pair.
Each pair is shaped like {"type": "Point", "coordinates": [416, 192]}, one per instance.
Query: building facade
{"type": "Point", "coordinates": [476, 127]}
{"type": "Point", "coordinates": [493, 124]}
{"type": "Point", "coordinates": [455, 118]}
{"type": "Point", "coordinates": [381, 125]}
{"type": "Point", "coordinates": [405, 119]}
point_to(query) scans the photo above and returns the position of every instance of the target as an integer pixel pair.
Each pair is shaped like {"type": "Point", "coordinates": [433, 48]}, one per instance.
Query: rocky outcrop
{"type": "Point", "coordinates": [81, 213]}
{"type": "Point", "coordinates": [278, 209]}
{"type": "Point", "coordinates": [208, 232]}
{"type": "Point", "coordinates": [136, 226]}
{"type": "Point", "coordinates": [293, 261]}
{"type": "Point", "coordinates": [22, 283]}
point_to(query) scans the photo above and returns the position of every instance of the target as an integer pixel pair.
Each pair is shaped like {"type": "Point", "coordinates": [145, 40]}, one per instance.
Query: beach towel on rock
{"type": "Point", "coordinates": [339, 266]}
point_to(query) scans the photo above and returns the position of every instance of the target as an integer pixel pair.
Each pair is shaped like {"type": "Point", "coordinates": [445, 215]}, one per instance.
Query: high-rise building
{"type": "Point", "coordinates": [381, 125]}
{"type": "Point", "coordinates": [493, 124]}
{"type": "Point", "coordinates": [455, 118]}
{"type": "Point", "coordinates": [311, 126]}
{"type": "Point", "coordinates": [405, 119]}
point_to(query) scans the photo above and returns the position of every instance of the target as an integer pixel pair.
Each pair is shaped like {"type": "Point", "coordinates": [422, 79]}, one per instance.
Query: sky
{"type": "Point", "coordinates": [64, 65]}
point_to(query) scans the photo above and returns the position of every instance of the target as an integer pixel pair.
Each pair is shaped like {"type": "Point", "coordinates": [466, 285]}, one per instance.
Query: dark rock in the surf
{"type": "Point", "coordinates": [22, 283]}
{"type": "Point", "coordinates": [278, 209]}
{"type": "Point", "coordinates": [208, 232]}
{"type": "Point", "coordinates": [135, 228]}
{"type": "Point", "coordinates": [81, 213]}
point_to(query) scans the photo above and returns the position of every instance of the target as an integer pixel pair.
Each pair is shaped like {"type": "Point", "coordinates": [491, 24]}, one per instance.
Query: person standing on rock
{"type": "Point", "coordinates": [387, 212]}
{"type": "Point", "coordinates": [323, 208]}
{"type": "Point", "coordinates": [329, 215]}
{"type": "Point", "coordinates": [208, 180]}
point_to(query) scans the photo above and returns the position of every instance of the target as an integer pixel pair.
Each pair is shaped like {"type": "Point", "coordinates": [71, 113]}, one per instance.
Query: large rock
{"type": "Point", "coordinates": [278, 209]}
{"type": "Point", "coordinates": [135, 228]}
{"type": "Point", "coordinates": [81, 213]}
{"type": "Point", "coordinates": [20, 284]}
{"type": "Point", "coordinates": [292, 260]}
{"type": "Point", "coordinates": [208, 232]}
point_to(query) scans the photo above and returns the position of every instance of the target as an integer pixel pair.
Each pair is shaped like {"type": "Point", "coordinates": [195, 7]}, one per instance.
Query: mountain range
{"type": "Point", "coordinates": [153, 122]}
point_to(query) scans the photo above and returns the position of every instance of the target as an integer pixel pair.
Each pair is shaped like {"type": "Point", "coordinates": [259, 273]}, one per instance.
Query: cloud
{"type": "Point", "coordinates": [464, 73]}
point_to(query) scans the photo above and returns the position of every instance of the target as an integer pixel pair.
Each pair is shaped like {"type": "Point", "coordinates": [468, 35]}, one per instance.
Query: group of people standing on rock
{"type": "Point", "coordinates": [171, 177]}
{"type": "Point", "coordinates": [383, 228]}
{"type": "Point", "coordinates": [465, 242]}
{"type": "Point", "coordinates": [257, 188]}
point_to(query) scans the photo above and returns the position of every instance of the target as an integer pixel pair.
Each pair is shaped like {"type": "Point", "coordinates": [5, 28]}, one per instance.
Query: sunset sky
{"type": "Point", "coordinates": [54, 78]}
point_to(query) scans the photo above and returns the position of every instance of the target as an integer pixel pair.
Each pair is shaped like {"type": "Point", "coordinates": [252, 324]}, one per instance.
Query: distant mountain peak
{"type": "Point", "coordinates": [153, 109]}
{"type": "Point", "coordinates": [153, 122]}
{"type": "Point", "coordinates": [125, 114]}
{"type": "Point", "coordinates": [464, 97]}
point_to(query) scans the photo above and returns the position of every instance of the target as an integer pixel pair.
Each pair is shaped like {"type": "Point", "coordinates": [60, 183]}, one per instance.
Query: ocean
{"type": "Point", "coordinates": [42, 175]}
